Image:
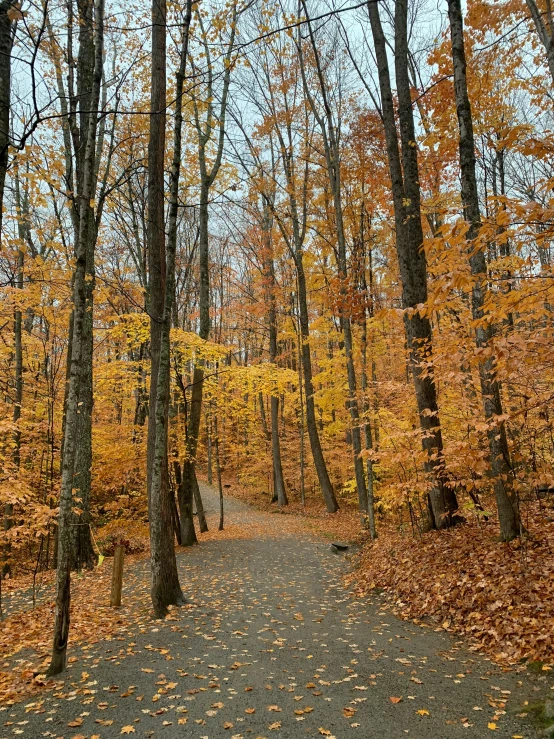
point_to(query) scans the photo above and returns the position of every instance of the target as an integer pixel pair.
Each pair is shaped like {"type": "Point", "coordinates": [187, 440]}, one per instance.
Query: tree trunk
{"type": "Point", "coordinates": [218, 472]}
{"type": "Point", "coordinates": [84, 556]}
{"type": "Point", "coordinates": [202, 523]}
{"type": "Point", "coordinates": [279, 489]}
{"type": "Point", "coordinates": [545, 31]}
{"type": "Point", "coordinates": [166, 589]}
{"type": "Point", "coordinates": [332, 158]}
{"type": "Point", "coordinates": [311, 421]}
{"type": "Point", "coordinates": [209, 452]}
{"type": "Point", "coordinates": [6, 42]}
{"type": "Point", "coordinates": [18, 383]}
{"type": "Point", "coordinates": [411, 256]}
{"type": "Point", "coordinates": [185, 498]}
{"type": "Point", "coordinates": [67, 502]}
{"type": "Point", "coordinates": [506, 497]}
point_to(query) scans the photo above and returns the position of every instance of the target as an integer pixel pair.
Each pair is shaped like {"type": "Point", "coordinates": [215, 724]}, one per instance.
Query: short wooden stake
{"type": "Point", "coordinates": [117, 575]}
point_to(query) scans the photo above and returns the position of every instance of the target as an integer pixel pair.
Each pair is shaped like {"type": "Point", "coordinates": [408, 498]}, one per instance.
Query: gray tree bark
{"type": "Point", "coordinates": [545, 31]}
{"type": "Point", "coordinates": [404, 174]}
{"type": "Point", "coordinates": [295, 244]}
{"type": "Point", "coordinates": [166, 589]}
{"type": "Point", "coordinates": [269, 274]}
{"type": "Point", "coordinates": [506, 497]}
{"type": "Point", "coordinates": [67, 501]}
{"type": "Point", "coordinates": [189, 487]}
{"type": "Point", "coordinates": [6, 43]}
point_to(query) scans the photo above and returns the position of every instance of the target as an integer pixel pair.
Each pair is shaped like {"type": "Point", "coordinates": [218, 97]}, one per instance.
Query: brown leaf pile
{"type": "Point", "coordinates": [29, 632]}
{"type": "Point", "coordinates": [499, 596]}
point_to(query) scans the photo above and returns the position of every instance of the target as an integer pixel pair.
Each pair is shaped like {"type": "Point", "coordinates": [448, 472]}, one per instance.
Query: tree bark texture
{"type": "Point", "coordinates": [6, 43]}
{"type": "Point", "coordinates": [67, 502]}
{"type": "Point", "coordinates": [165, 590]}
{"type": "Point", "coordinates": [506, 497]}
{"type": "Point", "coordinates": [404, 174]}
{"type": "Point", "coordinates": [269, 275]}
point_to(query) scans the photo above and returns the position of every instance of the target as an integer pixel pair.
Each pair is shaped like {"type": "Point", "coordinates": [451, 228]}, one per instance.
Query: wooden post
{"type": "Point", "coordinates": [117, 575]}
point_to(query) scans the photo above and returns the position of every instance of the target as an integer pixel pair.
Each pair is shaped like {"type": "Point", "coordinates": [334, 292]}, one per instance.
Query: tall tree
{"type": "Point", "coordinates": [210, 130]}
{"type": "Point", "coordinates": [330, 135]}
{"type": "Point", "coordinates": [506, 497]}
{"type": "Point", "coordinates": [271, 289]}
{"type": "Point", "coordinates": [292, 127]}
{"type": "Point", "coordinates": [166, 589]}
{"type": "Point", "coordinates": [86, 194]}
{"type": "Point", "coordinates": [405, 187]}
{"type": "Point", "coordinates": [8, 14]}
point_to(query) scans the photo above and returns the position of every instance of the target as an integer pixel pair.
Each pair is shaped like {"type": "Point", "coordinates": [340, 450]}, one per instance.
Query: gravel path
{"type": "Point", "coordinates": [274, 647]}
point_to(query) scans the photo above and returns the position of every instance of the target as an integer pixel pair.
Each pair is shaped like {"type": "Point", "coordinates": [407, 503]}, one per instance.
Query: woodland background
{"type": "Point", "coordinates": [300, 248]}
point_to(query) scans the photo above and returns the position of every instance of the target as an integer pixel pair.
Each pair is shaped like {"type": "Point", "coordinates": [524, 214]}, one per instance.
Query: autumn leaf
{"type": "Point", "coordinates": [127, 730]}
{"type": "Point", "coordinates": [394, 699]}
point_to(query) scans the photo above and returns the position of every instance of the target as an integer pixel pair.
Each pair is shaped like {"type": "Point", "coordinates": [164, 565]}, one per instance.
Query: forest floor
{"type": "Point", "coordinates": [272, 644]}
{"type": "Point", "coordinates": [498, 596]}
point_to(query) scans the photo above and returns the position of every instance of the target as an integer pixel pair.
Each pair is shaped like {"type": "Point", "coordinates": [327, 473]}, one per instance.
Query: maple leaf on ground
{"type": "Point", "coordinates": [275, 726]}
{"type": "Point", "coordinates": [394, 699]}
{"type": "Point", "coordinates": [128, 730]}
